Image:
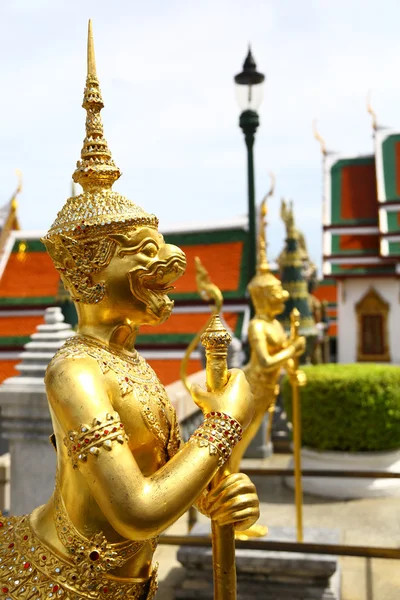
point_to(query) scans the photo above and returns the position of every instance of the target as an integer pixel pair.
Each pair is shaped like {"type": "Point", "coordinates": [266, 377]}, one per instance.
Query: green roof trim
{"type": "Point", "coordinates": [336, 190]}
{"type": "Point", "coordinates": [34, 245]}
{"type": "Point", "coordinates": [15, 340]}
{"type": "Point", "coordinates": [39, 301]}
{"type": "Point", "coordinates": [222, 236]}
{"type": "Point", "coordinates": [389, 167]}
{"type": "Point", "coordinates": [394, 248]}
{"type": "Point", "coordinates": [367, 270]}
{"type": "Point", "coordinates": [393, 221]}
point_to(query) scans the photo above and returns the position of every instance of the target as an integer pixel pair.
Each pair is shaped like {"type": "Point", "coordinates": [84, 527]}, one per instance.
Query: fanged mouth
{"type": "Point", "coordinates": [153, 287]}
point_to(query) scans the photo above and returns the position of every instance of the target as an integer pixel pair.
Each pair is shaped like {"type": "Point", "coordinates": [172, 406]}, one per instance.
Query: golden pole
{"type": "Point", "coordinates": [216, 341]}
{"type": "Point", "coordinates": [294, 334]}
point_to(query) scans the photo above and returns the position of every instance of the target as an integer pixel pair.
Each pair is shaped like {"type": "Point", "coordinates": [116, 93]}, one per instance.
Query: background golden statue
{"type": "Point", "coordinates": [270, 348]}
{"type": "Point", "coordinates": [123, 474]}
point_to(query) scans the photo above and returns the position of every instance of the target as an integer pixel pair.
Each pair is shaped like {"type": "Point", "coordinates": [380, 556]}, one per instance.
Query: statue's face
{"type": "Point", "coordinates": [270, 300]}
{"type": "Point", "coordinates": [140, 275]}
{"type": "Point", "coordinates": [277, 297]}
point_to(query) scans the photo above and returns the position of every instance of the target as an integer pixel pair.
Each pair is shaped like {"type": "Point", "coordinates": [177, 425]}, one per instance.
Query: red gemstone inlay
{"type": "Point", "coordinates": [27, 565]}
{"type": "Point", "coordinates": [4, 590]}
{"type": "Point", "coordinates": [114, 429]}
{"type": "Point", "coordinates": [74, 448]}
{"type": "Point", "coordinates": [44, 557]}
{"type": "Point", "coordinates": [25, 537]}
{"type": "Point", "coordinates": [211, 438]}
{"type": "Point", "coordinates": [220, 446]}
{"type": "Point", "coordinates": [105, 590]}
{"type": "Point", "coordinates": [106, 432]}
{"type": "Point", "coordinates": [213, 413]}
{"type": "Point", "coordinates": [11, 545]}
{"type": "Point", "coordinates": [79, 445]}
{"type": "Point", "coordinates": [1, 524]}
{"type": "Point", "coordinates": [226, 432]}
{"type": "Point", "coordinates": [56, 588]}
{"type": "Point", "coordinates": [96, 435]}
{"type": "Point", "coordinates": [126, 378]}
{"type": "Point", "coordinates": [121, 425]}
{"type": "Point", "coordinates": [94, 555]}
{"type": "Point", "coordinates": [87, 440]}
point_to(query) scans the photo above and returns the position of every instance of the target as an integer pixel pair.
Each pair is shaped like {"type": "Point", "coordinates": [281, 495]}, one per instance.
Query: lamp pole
{"type": "Point", "coordinates": [249, 94]}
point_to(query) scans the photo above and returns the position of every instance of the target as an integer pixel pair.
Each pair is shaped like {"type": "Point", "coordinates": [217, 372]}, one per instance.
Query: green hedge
{"type": "Point", "coordinates": [351, 408]}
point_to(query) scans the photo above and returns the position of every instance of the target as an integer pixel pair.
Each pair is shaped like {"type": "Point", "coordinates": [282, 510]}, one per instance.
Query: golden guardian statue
{"type": "Point", "coordinates": [123, 474]}
{"type": "Point", "coordinates": [270, 348]}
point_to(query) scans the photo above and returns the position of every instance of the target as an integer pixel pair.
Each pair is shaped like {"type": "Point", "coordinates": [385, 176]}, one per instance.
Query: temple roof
{"type": "Point", "coordinates": [29, 284]}
{"type": "Point", "coordinates": [361, 211]}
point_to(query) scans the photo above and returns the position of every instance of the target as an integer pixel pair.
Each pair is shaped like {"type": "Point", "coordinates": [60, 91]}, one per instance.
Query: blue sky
{"type": "Point", "coordinates": [166, 71]}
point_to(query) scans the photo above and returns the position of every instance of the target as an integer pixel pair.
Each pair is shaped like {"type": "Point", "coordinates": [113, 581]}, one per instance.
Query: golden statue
{"type": "Point", "coordinates": [270, 348]}
{"type": "Point", "coordinates": [123, 475]}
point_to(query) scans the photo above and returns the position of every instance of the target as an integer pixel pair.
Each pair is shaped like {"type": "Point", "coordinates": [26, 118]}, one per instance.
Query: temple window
{"type": "Point", "coordinates": [372, 335]}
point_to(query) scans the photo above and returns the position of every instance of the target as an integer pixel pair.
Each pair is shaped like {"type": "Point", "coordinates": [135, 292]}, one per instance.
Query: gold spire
{"type": "Point", "coordinates": [96, 169]}
{"type": "Point", "coordinates": [99, 206]}
{"type": "Point", "coordinates": [319, 138]}
{"type": "Point", "coordinates": [372, 112]}
{"type": "Point", "coordinates": [262, 259]}
{"type": "Point", "coordinates": [263, 278]}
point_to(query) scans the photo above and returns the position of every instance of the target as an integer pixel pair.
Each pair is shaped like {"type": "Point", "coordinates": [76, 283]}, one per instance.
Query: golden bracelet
{"type": "Point", "coordinates": [220, 433]}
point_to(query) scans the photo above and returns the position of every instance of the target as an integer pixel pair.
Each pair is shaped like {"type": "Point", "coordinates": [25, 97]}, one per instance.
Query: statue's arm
{"type": "Point", "coordinates": [258, 342]}
{"type": "Point", "coordinates": [136, 506]}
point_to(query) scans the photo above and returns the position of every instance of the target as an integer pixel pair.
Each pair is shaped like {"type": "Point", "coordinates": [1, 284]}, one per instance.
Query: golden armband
{"type": "Point", "coordinates": [89, 440]}
{"type": "Point", "coordinates": [220, 433]}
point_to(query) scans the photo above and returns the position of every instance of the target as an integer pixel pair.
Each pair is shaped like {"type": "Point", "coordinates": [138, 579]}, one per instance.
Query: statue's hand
{"type": "Point", "coordinates": [233, 501]}
{"type": "Point", "coordinates": [298, 378]}
{"type": "Point", "coordinates": [299, 345]}
{"type": "Point", "coordinates": [235, 399]}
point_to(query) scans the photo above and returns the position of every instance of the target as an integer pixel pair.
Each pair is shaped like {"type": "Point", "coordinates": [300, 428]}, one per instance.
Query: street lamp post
{"type": "Point", "coordinates": [249, 92]}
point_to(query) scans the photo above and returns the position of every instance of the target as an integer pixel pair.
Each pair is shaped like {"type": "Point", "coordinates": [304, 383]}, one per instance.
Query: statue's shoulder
{"type": "Point", "coordinates": [71, 354]}
{"type": "Point", "coordinates": [257, 327]}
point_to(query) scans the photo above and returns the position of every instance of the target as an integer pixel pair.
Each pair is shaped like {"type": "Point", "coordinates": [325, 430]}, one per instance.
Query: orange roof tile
{"type": "Point", "coordinates": [359, 193]}
{"type": "Point", "coordinates": [186, 323]}
{"type": "Point", "coordinates": [326, 292]}
{"type": "Point", "coordinates": [19, 325]}
{"type": "Point", "coordinates": [168, 369]}
{"type": "Point", "coordinates": [28, 275]}
{"type": "Point", "coordinates": [222, 262]}
{"type": "Point", "coordinates": [7, 369]}
{"type": "Point", "coordinates": [359, 242]}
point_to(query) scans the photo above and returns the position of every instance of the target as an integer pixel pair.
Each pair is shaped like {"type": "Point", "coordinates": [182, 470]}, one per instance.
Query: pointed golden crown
{"type": "Point", "coordinates": [263, 277]}
{"type": "Point", "coordinates": [96, 172]}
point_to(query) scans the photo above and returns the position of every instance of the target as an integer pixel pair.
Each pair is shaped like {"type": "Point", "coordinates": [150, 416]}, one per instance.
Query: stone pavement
{"type": "Point", "coordinates": [372, 521]}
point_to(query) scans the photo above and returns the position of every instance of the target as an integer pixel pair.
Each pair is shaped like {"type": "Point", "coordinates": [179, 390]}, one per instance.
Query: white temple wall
{"type": "Point", "coordinates": [350, 291]}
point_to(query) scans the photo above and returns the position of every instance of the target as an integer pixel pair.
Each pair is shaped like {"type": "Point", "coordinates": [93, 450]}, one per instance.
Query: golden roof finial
{"type": "Point", "coordinates": [319, 138]}
{"type": "Point", "coordinates": [371, 112]}
{"type": "Point", "coordinates": [13, 201]}
{"type": "Point", "coordinates": [96, 170]}
{"type": "Point", "coordinates": [262, 259]}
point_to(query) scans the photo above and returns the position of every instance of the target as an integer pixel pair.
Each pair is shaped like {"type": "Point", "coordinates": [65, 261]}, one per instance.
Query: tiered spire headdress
{"type": "Point", "coordinates": [77, 241]}
{"type": "Point", "coordinates": [263, 277]}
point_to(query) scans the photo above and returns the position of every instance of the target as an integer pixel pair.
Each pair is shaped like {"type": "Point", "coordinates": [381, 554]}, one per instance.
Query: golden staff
{"type": "Point", "coordinates": [294, 334]}
{"type": "Point", "coordinates": [208, 292]}
{"type": "Point", "coordinates": [216, 340]}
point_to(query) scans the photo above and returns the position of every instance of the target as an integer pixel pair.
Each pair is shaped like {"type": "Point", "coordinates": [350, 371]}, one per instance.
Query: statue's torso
{"type": "Point", "coordinates": [274, 336]}
{"type": "Point", "coordinates": [149, 422]}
